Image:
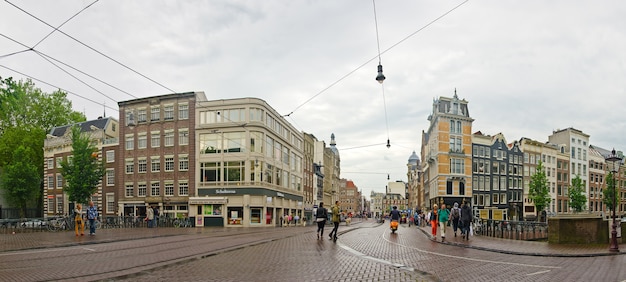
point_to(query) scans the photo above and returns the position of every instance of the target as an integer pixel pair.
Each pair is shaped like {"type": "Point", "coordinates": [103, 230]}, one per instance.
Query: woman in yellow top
{"type": "Point", "coordinates": [78, 218]}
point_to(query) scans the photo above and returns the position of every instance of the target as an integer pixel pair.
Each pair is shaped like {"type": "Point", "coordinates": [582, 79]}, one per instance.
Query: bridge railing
{"type": "Point", "coordinates": [514, 230]}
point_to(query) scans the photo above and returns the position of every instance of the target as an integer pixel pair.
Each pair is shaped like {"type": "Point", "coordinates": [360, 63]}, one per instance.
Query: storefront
{"type": "Point", "coordinates": [243, 207]}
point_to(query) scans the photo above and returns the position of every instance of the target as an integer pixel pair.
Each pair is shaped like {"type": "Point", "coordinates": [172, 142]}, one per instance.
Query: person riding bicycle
{"type": "Point", "coordinates": [394, 214]}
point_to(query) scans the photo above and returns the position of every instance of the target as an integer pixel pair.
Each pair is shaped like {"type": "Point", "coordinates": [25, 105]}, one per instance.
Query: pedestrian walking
{"type": "Point", "coordinates": [455, 215]}
{"type": "Point", "coordinates": [150, 216]}
{"type": "Point", "coordinates": [296, 219]}
{"type": "Point", "coordinates": [78, 220]}
{"type": "Point", "coordinates": [92, 216]}
{"type": "Point", "coordinates": [155, 221]}
{"type": "Point", "coordinates": [444, 216]}
{"type": "Point", "coordinates": [320, 218]}
{"type": "Point", "coordinates": [336, 219]}
{"type": "Point", "coordinates": [433, 221]}
{"type": "Point", "coordinates": [466, 220]}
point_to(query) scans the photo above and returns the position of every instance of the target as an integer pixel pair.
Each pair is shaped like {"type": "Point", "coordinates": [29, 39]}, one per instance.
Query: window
{"type": "Point", "coordinates": [141, 191]}
{"type": "Point", "coordinates": [50, 182]}
{"type": "Point", "coordinates": [155, 164]}
{"type": "Point", "coordinates": [234, 115]}
{"type": "Point", "coordinates": [110, 155]}
{"type": "Point", "coordinates": [155, 139]}
{"type": "Point", "coordinates": [130, 142]}
{"type": "Point", "coordinates": [155, 189]}
{"type": "Point", "coordinates": [142, 115]}
{"type": "Point", "coordinates": [256, 114]}
{"type": "Point", "coordinates": [169, 139]}
{"type": "Point", "coordinates": [183, 189]}
{"type": "Point", "coordinates": [234, 171]}
{"type": "Point", "coordinates": [183, 163]}
{"type": "Point", "coordinates": [110, 200]}
{"type": "Point", "coordinates": [269, 142]}
{"type": "Point", "coordinates": [183, 111]}
{"type": "Point", "coordinates": [59, 181]}
{"type": "Point", "coordinates": [208, 117]}
{"type": "Point", "coordinates": [60, 204]}
{"type": "Point", "coordinates": [455, 144]}
{"type": "Point", "coordinates": [496, 198]}
{"type": "Point", "coordinates": [169, 163]}
{"type": "Point", "coordinates": [183, 137]}
{"type": "Point", "coordinates": [449, 187]}
{"type": "Point", "coordinates": [168, 112]}
{"type": "Point", "coordinates": [256, 142]}
{"type": "Point", "coordinates": [457, 166]}
{"type": "Point", "coordinates": [234, 142]}
{"type": "Point", "coordinates": [169, 189]}
{"type": "Point", "coordinates": [50, 205]}
{"type": "Point", "coordinates": [50, 162]}
{"type": "Point", "coordinates": [110, 177]}
{"type": "Point", "coordinates": [130, 190]}
{"type": "Point", "coordinates": [142, 141]}
{"type": "Point", "coordinates": [210, 172]}
{"type": "Point", "coordinates": [461, 188]}
{"type": "Point", "coordinates": [155, 113]}
{"type": "Point", "coordinates": [59, 160]}
{"type": "Point", "coordinates": [130, 166]}
{"type": "Point", "coordinates": [142, 165]}
{"type": "Point", "coordinates": [503, 198]}
{"type": "Point", "coordinates": [209, 143]}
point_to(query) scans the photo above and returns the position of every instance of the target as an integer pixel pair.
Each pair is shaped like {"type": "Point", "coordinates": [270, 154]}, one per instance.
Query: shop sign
{"type": "Point", "coordinates": [225, 191]}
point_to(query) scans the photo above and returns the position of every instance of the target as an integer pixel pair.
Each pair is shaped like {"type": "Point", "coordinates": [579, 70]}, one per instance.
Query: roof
{"type": "Point", "coordinates": [86, 126]}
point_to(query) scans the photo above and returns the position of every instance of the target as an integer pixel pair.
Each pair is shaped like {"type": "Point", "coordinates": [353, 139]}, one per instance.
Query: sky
{"type": "Point", "coordinates": [526, 68]}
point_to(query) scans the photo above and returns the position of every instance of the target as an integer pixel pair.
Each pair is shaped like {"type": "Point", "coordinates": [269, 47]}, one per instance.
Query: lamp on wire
{"type": "Point", "coordinates": [380, 77]}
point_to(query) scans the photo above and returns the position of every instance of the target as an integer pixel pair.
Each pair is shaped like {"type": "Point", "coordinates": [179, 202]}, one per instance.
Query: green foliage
{"type": "Point", "coordinates": [577, 199]}
{"type": "Point", "coordinates": [610, 192]}
{"type": "Point", "coordinates": [538, 189]}
{"type": "Point", "coordinates": [21, 179]}
{"type": "Point", "coordinates": [83, 173]}
{"type": "Point", "coordinates": [26, 115]}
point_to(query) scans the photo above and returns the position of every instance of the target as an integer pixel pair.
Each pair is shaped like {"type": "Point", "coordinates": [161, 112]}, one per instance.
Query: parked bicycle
{"type": "Point", "coordinates": [182, 222]}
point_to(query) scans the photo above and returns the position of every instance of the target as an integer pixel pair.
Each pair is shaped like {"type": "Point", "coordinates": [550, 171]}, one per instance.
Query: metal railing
{"type": "Point", "coordinates": [66, 223]}
{"type": "Point", "coordinates": [514, 230]}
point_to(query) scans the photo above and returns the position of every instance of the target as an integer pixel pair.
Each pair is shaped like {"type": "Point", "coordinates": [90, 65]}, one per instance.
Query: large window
{"type": "Point", "coordinates": [210, 172]}
{"type": "Point", "coordinates": [59, 180]}
{"type": "Point", "coordinates": [110, 200]}
{"type": "Point", "coordinates": [256, 114]}
{"type": "Point", "coordinates": [234, 115]}
{"type": "Point", "coordinates": [457, 166]}
{"type": "Point", "coordinates": [455, 144]}
{"type": "Point", "coordinates": [110, 155]}
{"type": "Point", "coordinates": [209, 143]}
{"type": "Point", "coordinates": [234, 142]}
{"type": "Point", "coordinates": [50, 182]}
{"type": "Point", "coordinates": [208, 117]}
{"type": "Point", "coordinates": [235, 171]}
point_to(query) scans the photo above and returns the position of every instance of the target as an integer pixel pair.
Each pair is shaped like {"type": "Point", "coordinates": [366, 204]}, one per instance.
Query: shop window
{"type": "Point", "coordinates": [235, 216]}
{"type": "Point", "coordinates": [255, 215]}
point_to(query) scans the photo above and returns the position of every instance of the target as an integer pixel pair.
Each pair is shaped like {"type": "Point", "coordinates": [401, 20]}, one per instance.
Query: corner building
{"type": "Point", "coordinates": [446, 153]}
{"type": "Point", "coordinates": [249, 165]}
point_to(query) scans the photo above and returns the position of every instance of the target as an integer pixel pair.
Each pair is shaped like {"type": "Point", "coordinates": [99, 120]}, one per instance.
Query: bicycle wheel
{"type": "Point", "coordinates": [177, 223]}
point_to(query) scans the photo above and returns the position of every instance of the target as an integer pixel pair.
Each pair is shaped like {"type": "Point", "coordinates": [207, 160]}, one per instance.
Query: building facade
{"type": "Point", "coordinates": [446, 152]}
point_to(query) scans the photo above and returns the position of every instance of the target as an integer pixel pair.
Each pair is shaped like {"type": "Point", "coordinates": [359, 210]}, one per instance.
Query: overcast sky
{"type": "Point", "coordinates": [525, 67]}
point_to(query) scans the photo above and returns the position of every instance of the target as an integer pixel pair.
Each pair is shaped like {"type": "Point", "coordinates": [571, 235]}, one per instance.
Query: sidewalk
{"type": "Point", "coordinates": [520, 247]}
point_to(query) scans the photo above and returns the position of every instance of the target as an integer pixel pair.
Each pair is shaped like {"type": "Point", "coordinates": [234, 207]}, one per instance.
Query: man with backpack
{"type": "Point", "coordinates": [455, 214]}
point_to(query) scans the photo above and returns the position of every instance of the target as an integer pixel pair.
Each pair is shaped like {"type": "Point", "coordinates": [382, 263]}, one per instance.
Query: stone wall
{"type": "Point", "coordinates": [579, 229]}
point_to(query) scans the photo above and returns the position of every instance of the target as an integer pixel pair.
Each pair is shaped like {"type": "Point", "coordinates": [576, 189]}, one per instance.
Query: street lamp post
{"type": "Point", "coordinates": [613, 161]}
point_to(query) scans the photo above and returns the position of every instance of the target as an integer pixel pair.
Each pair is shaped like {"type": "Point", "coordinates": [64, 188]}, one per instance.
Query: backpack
{"type": "Point", "coordinates": [455, 213]}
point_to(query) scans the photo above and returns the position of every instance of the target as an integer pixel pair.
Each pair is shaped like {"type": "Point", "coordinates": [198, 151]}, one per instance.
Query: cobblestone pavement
{"type": "Point", "coordinates": [364, 252]}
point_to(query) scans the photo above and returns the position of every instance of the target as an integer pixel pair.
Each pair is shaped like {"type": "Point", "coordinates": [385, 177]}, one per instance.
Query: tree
{"type": "Point", "coordinates": [538, 189]}
{"type": "Point", "coordinates": [26, 115]}
{"type": "Point", "coordinates": [83, 172]}
{"type": "Point", "coordinates": [577, 199]}
{"type": "Point", "coordinates": [610, 192]}
{"type": "Point", "coordinates": [21, 179]}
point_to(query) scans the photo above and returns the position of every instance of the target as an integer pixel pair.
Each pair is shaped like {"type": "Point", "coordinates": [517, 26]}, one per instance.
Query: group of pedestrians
{"type": "Point", "coordinates": [461, 219]}
{"type": "Point", "coordinates": [79, 219]}
{"type": "Point", "coordinates": [321, 216]}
